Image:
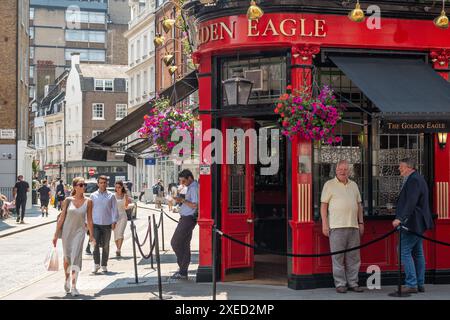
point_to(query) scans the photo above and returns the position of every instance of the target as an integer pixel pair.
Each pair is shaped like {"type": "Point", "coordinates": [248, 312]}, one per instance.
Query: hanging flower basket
{"type": "Point", "coordinates": [313, 118]}
{"type": "Point", "coordinates": [163, 120]}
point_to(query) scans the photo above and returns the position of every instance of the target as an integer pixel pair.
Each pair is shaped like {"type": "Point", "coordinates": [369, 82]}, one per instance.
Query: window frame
{"type": "Point", "coordinates": [124, 111]}
{"type": "Point", "coordinates": [94, 117]}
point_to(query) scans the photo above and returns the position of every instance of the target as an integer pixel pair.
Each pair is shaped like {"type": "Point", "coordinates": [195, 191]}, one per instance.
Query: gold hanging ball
{"type": "Point", "coordinates": [168, 59]}
{"type": "Point", "coordinates": [168, 24]}
{"type": "Point", "coordinates": [357, 15]}
{"type": "Point", "coordinates": [442, 21]}
{"type": "Point", "coordinates": [254, 12]}
{"type": "Point", "coordinates": [172, 70]}
{"type": "Point", "coordinates": [159, 40]}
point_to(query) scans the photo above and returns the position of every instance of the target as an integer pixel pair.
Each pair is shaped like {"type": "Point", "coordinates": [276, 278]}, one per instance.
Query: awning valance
{"type": "Point", "coordinates": [97, 147]}
{"type": "Point", "coordinates": [403, 89]}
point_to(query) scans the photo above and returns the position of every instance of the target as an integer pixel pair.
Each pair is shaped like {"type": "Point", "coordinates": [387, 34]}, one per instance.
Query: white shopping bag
{"type": "Point", "coordinates": [51, 262]}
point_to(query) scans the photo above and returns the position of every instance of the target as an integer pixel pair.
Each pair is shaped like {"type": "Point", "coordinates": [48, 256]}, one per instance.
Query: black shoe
{"type": "Point", "coordinates": [17, 220]}
{"type": "Point", "coordinates": [179, 276]}
{"type": "Point", "coordinates": [421, 289]}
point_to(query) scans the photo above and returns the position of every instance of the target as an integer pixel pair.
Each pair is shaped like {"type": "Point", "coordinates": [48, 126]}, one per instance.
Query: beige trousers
{"type": "Point", "coordinates": [345, 265]}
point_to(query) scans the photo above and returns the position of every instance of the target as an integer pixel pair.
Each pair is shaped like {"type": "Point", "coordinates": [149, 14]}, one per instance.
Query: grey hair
{"type": "Point", "coordinates": [411, 163]}
{"type": "Point", "coordinates": [340, 162]}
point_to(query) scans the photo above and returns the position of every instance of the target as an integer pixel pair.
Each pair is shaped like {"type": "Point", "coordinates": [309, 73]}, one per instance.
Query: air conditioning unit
{"type": "Point", "coordinates": [259, 78]}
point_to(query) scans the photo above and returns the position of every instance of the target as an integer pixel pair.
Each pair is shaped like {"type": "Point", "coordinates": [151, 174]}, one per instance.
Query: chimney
{"type": "Point", "coordinates": [75, 59]}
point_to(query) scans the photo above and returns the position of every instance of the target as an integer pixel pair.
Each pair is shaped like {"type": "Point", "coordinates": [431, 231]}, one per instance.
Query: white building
{"type": "Point", "coordinates": [141, 73]}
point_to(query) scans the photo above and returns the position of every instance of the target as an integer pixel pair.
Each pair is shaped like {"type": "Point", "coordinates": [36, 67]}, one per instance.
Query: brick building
{"type": "Point", "coordinates": [15, 156]}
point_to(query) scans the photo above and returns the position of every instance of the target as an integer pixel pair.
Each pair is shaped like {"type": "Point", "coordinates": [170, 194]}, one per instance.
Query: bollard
{"type": "Point", "coordinates": [150, 240]}
{"type": "Point", "coordinates": [158, 262]}
{"type": "Point", "coordinates": [399, 293]}
{"type": "Point", "coordinates": [162, 229]}
{"type": "Point", "coordinates": [214, 257]}
{"type": "Point", "coordinates": [133, 228]}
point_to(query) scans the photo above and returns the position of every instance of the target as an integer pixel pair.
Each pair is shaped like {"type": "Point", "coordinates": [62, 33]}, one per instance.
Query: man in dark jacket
{"type": "Point", "coordinates": [413, 212]}
{"type": "Point", "coordinates": [60, 194]}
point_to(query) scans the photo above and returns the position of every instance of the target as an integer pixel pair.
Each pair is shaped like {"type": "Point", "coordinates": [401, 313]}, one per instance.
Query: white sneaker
{"type": "Point", "coordinates": [74, 292]}
{"type": "Point", "coordinates": [104, 269]}
{"type": "Point", "coordinates": [96, 268]}
{"type": "Point", "coordinates": [67, 286]}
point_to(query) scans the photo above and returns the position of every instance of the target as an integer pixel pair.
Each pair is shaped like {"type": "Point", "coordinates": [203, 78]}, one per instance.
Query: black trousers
{"type": "Point", "coordinates": [102, 236]}
{"type": "Point", "coordinates": [21, 204]}
{"type": "Point", "coordinates": [181, 242]}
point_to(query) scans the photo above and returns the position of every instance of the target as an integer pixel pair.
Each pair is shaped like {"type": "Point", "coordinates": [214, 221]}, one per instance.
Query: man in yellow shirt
{"type": "Point", "coordinates": [342, 222]}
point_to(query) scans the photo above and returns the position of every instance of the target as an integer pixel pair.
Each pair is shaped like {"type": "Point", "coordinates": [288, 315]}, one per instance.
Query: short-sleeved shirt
{"type": "Point", "coordinates": [342, 200]}
{"type": "Point", "coordinates": [191, 196]}
{"type": "Point", "coordinates": [43, 192]}
{"type": "Point", "coordinates": [21, 187]}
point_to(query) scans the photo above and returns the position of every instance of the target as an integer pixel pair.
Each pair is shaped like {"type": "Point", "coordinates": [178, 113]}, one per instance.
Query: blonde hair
{"type": "Point", "coordinates": [74, 184]}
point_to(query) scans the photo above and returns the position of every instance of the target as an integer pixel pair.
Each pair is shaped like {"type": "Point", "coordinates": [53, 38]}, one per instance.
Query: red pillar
{"type": "Point", "coordinates": [302, 224]}
{"type": "Point", "coordinates": [440, 59]}
{"type": "Point", "coordinates": [205, 221]}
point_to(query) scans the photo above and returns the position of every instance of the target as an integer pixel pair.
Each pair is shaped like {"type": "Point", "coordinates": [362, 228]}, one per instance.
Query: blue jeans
{"type": "Point", "coordinates": [413, 260]}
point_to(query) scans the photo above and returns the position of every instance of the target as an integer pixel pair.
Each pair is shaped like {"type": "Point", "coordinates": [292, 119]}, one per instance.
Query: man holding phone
{"type": "Point", "coordinates": [181, 240]}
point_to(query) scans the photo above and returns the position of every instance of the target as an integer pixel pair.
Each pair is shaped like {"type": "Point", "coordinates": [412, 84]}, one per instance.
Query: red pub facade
{"type": "Point", "coordinates": [307, 44]}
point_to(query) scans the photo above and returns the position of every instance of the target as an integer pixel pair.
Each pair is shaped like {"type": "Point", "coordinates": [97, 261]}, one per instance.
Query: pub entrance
{"type": "Point", "coordinates": [254, 207]}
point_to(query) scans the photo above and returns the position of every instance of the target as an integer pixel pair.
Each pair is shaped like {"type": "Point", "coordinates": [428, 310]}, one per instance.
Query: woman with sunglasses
{"type": "Point", "coordinates": [122, 204]}
{"type": "Point", "coordinates": [76, 212]}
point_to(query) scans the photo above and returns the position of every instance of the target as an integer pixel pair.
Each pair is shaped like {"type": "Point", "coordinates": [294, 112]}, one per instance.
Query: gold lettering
{"type": "Point", "coordinates": [319, 28]}
{"type": "Point", "coordinates": [270, 27]}
{"type": "Point", "coordinates": [214, 32]}
{"type": "Point", "coordinates": [230, 31]}
{"type": "Point", "coordinates": [283, 31]}
{"type": "Point", "coordinates": [205, 35]}
{"type": "Point", "coordinates": [252, 27]}
{"type": "Point", "coordinates": [303, 29]}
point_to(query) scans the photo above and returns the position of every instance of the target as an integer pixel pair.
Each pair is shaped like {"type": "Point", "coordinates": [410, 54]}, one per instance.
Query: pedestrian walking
{"type": "Point", "coordinates": [413, 212]}
{"type": "Point", "coordinates": [123, 201]}
{"type": "Point", "coordinates": [144, 186]}
{"type": "Point", "coordinates": [60, 194]}
{"type": "Point", "coordinates": [44, 197]}
{"type": "Point", "coordinates": [21, 188]}
{"type": "Point", "coordinates": [181, 239]}
{"type": "Point", "coordinates": [158, 192]}
{"type": "Point", "coordinates": [342, 222]}
{"type": "Point", "coordinates": [105, 216]}
{"type": "Point", "coordinates": [76, 212]}
{"type": "Point", "coordinates": [54, 198]}
{"type": "Point", "coordinates": [172, 193]}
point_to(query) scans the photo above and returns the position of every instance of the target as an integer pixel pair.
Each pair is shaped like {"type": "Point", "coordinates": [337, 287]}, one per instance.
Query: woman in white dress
{"type": "Point", "coordinates": [122, 204]}
{"type": "Point", "coordinates": [76, 213]}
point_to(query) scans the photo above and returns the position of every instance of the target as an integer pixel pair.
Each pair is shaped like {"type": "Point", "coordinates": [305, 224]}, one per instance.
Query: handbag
{"type": "Point", "coordinates": [51, 262]}
{"type": "Point", "coordinates": [59, 215]}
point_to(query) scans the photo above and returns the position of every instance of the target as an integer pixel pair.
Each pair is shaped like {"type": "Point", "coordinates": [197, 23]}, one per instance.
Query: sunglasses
{"type": "Point", "coordinates": [81, 185]}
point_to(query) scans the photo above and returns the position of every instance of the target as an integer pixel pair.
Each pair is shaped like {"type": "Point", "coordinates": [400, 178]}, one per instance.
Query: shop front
{"type": "Point", "coordinates": [396, 106]}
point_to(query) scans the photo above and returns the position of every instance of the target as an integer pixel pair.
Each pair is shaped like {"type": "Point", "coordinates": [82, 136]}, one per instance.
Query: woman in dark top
{"type": "Point", "coordinates": [44, 195]}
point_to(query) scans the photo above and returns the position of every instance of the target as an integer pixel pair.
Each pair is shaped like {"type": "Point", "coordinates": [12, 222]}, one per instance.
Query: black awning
{"type": "Point", "coordinates": [177, 92]}
{"type": "Point", "coordinates": [133, 151]}
{"type": "Point", "coordinates": [403, 89]}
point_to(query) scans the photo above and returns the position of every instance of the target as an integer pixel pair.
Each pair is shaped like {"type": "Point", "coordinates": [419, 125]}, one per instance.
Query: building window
{"type": "Point", "coordinates": [31, 52]}
{"type": "Point", "coordinates": [138, 86]}
{"type": "Point", "coordinates": [145, 46]}
{"type": "Point", "coordinates": [96, 133]}
{"type": "Point", "coordinates": [132, 89]}
{"type": "Point", "coordinates": [98, 111]}
{"type": "Point", "coordinates": [121, 111]}
{"type": "Point", "coordinates": [87, 55]}
{"type": "Point", "coordinates": [138, 50]}
{"type": "Point", "coordinates": [131, 54]}
{"type": "Point", "coordinates": [31, 72]}
{"type": "Point", "coordinates": [31, 33]}
{"type": "Point", "coordinates": [31, 13]}
{"type": "Point", "coordinates": [104, 85]}
{"type": "Point", "coordinates": [145, 83]}
{"type": "Point", "coordinates": [85, 36]}
{"type": "Point", "coordinates": [74, 16]}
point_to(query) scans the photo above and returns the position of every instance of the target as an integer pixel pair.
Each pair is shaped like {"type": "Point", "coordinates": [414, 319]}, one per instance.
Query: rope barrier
{"type": "Point", "coordinates": [425, 238]}
{"type": "Point", "coordinates": [146, 237]}
{"type": "Point", "coordinates": [144, 256]}
{"type": "Point", "coordinates": [293, 255]}
{"type": "Point", "coordinates": [176, 221]}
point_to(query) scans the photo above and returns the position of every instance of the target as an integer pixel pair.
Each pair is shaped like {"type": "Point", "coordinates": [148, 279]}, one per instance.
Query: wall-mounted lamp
{"type": "Point", "coordinates": [237, 90]}
{"type": "Point", "coordinates": [442, 139]}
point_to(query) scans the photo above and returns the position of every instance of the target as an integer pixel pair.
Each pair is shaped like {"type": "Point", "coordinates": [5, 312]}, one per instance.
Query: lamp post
{"type": "Point", "coordinates": [237, 90]}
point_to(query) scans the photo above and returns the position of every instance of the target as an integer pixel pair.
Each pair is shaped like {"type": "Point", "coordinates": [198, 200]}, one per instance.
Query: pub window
{"type": "Point", "coordinates": [268, 75]}
{"type": "Point", "coordinates": [236, 178]}
{"type": "Point", "coordinates": [373, 154]}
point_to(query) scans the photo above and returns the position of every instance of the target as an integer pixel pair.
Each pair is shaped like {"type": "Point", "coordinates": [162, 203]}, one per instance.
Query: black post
{"type": "Point", "coordinates": [150, 240]}
{"type": "Point", "coordinates": [399, 293]}
{"type": "Point", "coordinates": [162, 229]}
{"type": "Point", "coordinates": [158, 263]}
{"type": "Point", "coordinates": [214, 257]}
{"type": "Point", "coordinates": [133, 228]}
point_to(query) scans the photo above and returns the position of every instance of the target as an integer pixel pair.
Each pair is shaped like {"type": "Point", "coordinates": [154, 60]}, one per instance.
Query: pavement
{"type": "Point", "coordinates": [30, 281]}
{"type": "Point", "coordinates": [33, 219]}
